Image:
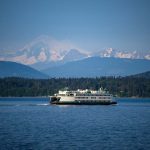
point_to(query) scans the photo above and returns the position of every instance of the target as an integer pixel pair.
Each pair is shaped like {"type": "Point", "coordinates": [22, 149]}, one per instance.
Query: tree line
{"type": "Point", "coordinates": [118, 86]}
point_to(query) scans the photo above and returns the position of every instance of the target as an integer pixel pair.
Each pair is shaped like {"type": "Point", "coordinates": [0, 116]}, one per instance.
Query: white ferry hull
{"type": "Point", "coordinates": [65, 100]}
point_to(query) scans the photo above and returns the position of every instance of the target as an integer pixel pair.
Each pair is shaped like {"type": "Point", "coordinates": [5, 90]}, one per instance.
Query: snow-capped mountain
{"type": "Point", "coordinates": [44, 52]}
{"type": "Point", "coordinates": [44, 49]}
{"type": "Point", "coordinates": [110, 52]}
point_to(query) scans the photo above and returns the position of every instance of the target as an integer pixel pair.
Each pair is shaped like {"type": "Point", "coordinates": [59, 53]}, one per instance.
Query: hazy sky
{"type": "Point", "coordinates": [90, 24]}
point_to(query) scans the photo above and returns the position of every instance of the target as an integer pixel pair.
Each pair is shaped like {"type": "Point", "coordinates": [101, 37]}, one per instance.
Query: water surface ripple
{"type": "Point", "coordinates": [31, 123]}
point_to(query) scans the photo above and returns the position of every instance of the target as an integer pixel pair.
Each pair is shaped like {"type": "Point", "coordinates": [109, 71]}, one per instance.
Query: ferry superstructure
{"type": "Point", "coordinates": [82, 97]}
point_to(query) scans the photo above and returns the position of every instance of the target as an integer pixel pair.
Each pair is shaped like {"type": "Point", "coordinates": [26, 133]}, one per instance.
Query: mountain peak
{"type": "Point", "coordinates": [110, 52]}
{"type": "Point", "coordinates": [73, 55]}
{"type": "Point", "coordinates": [42, 49]}
{"type": "Point", "coordinates": [45, 49]}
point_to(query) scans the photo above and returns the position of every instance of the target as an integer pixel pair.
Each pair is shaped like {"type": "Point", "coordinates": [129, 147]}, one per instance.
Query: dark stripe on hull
{"type": "Point", "coordinates": [83, 103]}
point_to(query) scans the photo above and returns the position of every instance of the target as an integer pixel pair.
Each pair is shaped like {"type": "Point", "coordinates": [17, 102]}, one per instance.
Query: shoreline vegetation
{"type": "Point", "coordinates": [126, 87]}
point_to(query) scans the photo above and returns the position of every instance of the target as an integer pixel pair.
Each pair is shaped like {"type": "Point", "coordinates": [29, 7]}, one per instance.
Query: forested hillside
{"type": "Point", "coordinates": [120, 86]}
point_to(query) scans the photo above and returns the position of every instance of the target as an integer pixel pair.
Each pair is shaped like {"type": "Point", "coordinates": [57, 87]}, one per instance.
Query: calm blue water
{"type": "Point", "coordinates": [31, 123]}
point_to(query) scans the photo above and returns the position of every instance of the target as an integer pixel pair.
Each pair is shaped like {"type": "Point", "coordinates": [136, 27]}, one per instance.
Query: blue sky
{"type": "Point", "coordinates": [89, 24]}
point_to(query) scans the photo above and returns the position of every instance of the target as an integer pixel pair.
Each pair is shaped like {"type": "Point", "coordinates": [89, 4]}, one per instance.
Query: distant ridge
{"type": "Point", "coordinates": [97, 67]}
{"type": "Point", "coordinates": [13, 69]}
{"type": "Point", "coordinates": [143, 75]}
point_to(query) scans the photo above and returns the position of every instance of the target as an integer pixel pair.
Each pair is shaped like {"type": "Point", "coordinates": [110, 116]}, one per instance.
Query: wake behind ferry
{"type": "Point", "coordinates": [82, 97]}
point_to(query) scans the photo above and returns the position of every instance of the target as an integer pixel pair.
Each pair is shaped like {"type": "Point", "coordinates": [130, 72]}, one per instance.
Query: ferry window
{"type": "Point", "coordinates": [93, 97]}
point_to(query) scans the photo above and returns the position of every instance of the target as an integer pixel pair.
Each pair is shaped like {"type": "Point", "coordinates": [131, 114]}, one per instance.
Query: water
{"type": "Point", "coordinates": [31, 123]}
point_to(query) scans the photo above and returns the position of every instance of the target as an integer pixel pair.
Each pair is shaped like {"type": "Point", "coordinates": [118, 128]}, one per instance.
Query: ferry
{"type": "Point", "coordinates": [82, 97]}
